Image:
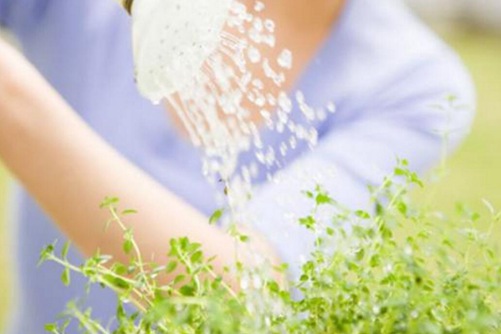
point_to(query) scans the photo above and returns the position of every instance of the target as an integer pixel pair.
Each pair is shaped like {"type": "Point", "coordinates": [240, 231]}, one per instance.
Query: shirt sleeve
{"type": "Point", "coordinates": [412, 118]}
{"type": "Point", "coordinates": [20, 16]}
{"type": "Point", "coordinates": [4, 4]}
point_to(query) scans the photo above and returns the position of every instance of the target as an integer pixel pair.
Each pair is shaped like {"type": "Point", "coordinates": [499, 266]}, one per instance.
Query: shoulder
{"type": "Point", "coordinates": [384, 54]}
{"type": "Point", "coordinates": [33, 18]}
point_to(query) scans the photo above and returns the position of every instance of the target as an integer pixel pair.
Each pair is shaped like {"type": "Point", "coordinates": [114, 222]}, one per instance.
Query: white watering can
{"type": "Point", "coordinates": [171, 41]}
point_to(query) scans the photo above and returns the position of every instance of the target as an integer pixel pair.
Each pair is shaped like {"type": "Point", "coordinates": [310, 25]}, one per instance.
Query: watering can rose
{"type": "Point", "coordinates": [171, 41]}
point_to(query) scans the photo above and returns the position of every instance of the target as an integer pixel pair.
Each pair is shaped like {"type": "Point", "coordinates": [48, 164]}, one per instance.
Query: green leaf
{"type": "Point", "coordinates": [65, 277]}
{"type": "Point", "coordinates": [117, 282]}
{"type": "Point", "coordinates": [402, 208]}
{"type": "Point", "coordinates": [193, 246]}
{"type": "Point", "coordinates": [128, 246]}
{"type": "Point", "coordinates": [282, 268]}
{"type": "Point", "coordinates": [109, 202]}
{"type": "Point", "coordinates": [309, 194]}
{"type": "Point", "coordinates": [187, 290]}
{"type": "Point", "coordinates": [273, 286]}
{"type": "Point", "coordinates": [179, 279]}
{"type": "Point", "coordinates": [184, 243]}
{"type": "Point", "coordinates": [65, 250]}
{"type": "Point", "coordinates": [171, 266]}
{"type": "Point", "coordinates": [129, 212]}
{"type": "Point", "coordinates": [308, 222]}
{"type": "Point", "coordinates": [362, 214]}
{"type": "Point", "coordinates": [46, 253]}
{"type": "Point", "coordinates": [216, 216]}
{"type": "Point", "coordinates": [119, 269]}
{"type": "Point", "coordinates": [359, 255]}
{"type": "Point", "coordinates": [197, 257]}
{"type": "Point", "coordinates": [400, 172]}
{"type": "Point", "coordinates": [51, 328]}
{"type": "Point", "coordinates": [323, 198]}
{"type": "Point", "coordinates": [375, 261]}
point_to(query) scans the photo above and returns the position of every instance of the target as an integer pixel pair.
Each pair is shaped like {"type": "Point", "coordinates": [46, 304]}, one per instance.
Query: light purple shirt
{"type": "Point", "coordinates": [384, 70]}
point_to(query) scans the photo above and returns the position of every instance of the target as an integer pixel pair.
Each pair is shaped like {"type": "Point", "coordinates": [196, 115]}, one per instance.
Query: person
{"type": "Point", "coordinates": [73, 129]}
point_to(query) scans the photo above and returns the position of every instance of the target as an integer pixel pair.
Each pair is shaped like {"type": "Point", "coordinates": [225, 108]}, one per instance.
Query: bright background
{"type": "Point", "coordinates": [475, 170]}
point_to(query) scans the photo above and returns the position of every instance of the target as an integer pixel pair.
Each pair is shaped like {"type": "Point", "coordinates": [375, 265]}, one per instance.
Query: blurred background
{"type": "Point", "coordinates": [473, 29]}
{"type": "Point", "coordinates": [484, 14]}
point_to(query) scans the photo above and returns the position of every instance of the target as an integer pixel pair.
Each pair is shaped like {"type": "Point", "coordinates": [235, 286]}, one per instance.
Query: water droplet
{"type": "Point", "coordinates": [254, 55]}
{"type": "Point", "coordinates": [331, 107]}
{"type": "Point", "coordinates": [259, 6]}
{"type": "Point", "coordinates": [285, 59]}
{"type": "Point", "coordinates": [244, 283]}
{"type": "Point", "coordinates": [269, 25]}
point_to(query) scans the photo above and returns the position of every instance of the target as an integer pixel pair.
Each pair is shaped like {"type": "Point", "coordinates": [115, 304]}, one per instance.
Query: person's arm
{"type": "Point", "coordinates": [70, 170]}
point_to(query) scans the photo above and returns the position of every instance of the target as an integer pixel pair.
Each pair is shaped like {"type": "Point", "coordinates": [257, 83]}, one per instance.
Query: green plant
{"type": "Point", "coordinates": [398, 269]}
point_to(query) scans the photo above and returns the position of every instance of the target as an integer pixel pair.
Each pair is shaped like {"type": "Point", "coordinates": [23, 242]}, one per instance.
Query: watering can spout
{"type": "Point", "coordinates": [172, 39]}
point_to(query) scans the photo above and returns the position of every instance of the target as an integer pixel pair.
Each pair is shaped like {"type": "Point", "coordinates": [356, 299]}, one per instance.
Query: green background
{"type": "Point", "coordinates": [474, 171]}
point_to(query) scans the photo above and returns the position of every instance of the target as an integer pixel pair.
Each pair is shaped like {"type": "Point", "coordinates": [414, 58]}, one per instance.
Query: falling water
{"type": "Point", "coordinates": [206, 59]}
{"type": "Point", "coordinates": [197, 55]}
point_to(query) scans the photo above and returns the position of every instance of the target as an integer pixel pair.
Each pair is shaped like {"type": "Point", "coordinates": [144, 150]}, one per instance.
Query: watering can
{"type": "Point", "coordinates": [172, 39]}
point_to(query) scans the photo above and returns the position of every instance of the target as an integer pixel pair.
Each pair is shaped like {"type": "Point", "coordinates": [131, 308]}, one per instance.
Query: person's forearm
{"type": "Point", "coordinates": [70, 170]}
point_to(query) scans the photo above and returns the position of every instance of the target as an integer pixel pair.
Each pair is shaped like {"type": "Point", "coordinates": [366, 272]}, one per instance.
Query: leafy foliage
{"type": "Point", "coordinates": [396, 269]}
